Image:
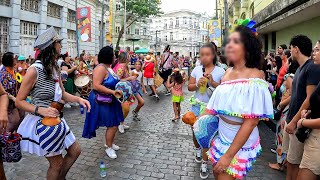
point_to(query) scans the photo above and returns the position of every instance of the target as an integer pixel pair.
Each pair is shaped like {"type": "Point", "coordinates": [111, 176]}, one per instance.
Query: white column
{"type": "Point", "coordinates": [43, 5]}
{"type": "Point", "coordinates": [14, 38]}
{"type": "Point", "coordinates": [64, 31]}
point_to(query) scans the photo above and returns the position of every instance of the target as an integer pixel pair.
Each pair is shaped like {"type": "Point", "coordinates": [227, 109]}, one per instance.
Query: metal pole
{"type": "Point", "coordinates": [125, 23]}
{"type": "Point", "coordinates": [102, 25]}
{"type": "Point", "coordinates": [226, 20]}
{"type": "Point", "coordinates": [155, 49]}
{"type": "Point", "coordinates": [216, 9]}
{"type": "Point", "coordinates": [77, 36]}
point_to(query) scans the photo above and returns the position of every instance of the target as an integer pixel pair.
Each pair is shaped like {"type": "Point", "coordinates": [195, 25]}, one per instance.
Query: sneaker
{"type": "Point", "coordinates": [111, 153]}
{"type": "Point", "coordinates": [157, 97]}
{"type": "Point", "coordinates": [204, 173]}
{"type": "Point", "coordinates": [198, 155]}
{"type": "Point", "coordinates": [74, 104]}
{"type": "Point", "coordinates": [114, 147]}
{"type": "Point", "coordinates": [273, 150]}
{"type": "Point", "coordinates": [121, 129]}
{"type": "Point", "coordinates": [67, 105]}
{"type": "Point", "coordinates": [152, 94]}
{"type": "Point", "coordinates": [135, 114]}
{"type": "Point", "coordinates": [126, 127]}
{"type": "Point", "coordinates": [168, 93]}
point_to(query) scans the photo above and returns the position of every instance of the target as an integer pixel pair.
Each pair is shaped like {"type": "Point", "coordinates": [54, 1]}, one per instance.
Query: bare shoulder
{"type": "Point", "coordinates": [100, 70]}
{"type": "Point", "coordinates": [256, 73]}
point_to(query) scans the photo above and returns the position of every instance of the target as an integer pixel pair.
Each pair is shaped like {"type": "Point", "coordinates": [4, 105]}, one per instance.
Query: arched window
{"type": "Point", "coordinates": [243, 15]}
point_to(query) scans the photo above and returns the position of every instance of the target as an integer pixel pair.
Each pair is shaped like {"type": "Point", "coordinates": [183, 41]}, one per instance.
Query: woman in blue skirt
{"type": "Point", "coordinates": [106, 111]}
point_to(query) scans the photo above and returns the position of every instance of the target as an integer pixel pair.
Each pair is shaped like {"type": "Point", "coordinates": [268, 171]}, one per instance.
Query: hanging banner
{"type": "Point", "coordinates": [215, 32]}
{"type": "Point", "coordinates": [84, 24]}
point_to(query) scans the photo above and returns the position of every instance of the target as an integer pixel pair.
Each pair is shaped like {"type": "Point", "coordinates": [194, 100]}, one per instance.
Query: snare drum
{"type": "Point", "coordinates": [84, 85]}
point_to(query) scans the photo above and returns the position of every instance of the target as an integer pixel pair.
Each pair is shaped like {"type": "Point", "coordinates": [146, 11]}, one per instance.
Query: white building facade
{"type": "Point", "coordinates": [21, 21]}
{"type": "Point", "coordinates": [184, 30]}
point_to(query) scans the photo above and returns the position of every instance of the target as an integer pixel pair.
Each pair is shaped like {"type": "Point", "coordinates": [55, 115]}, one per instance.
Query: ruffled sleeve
{"type": "Point", "coordinates": [243, 98]}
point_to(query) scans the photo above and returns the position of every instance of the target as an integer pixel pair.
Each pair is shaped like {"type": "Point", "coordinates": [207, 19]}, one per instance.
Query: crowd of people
{"type": "Point", "coordinates": [240, 88]}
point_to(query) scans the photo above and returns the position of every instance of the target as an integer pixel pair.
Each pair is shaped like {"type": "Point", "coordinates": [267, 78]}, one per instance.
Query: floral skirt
{"type": "Point", "coordinates": [245, 157]}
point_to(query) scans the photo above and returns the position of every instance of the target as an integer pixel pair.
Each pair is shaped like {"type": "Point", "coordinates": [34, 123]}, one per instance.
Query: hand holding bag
{"type": "Point", "coordinates": [11, 150]}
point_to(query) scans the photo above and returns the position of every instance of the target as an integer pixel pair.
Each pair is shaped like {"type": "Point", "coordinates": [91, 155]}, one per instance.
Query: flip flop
{"type": "Point", "coordinates": [276, 166]}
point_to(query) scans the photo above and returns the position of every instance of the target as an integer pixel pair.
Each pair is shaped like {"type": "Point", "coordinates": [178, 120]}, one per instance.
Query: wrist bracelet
{"type": "Point", "coordinates": [36, 111]}
{"type": "Point", "coordinates": [302, 121]}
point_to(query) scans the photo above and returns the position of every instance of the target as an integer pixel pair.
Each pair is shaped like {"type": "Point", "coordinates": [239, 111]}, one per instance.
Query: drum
{"type": "Point", "coordinates": [205, 129]}
{"type": "Point", "coordinates": [83, 84]}
{"type": "Point", "coordinates": [158, 80]}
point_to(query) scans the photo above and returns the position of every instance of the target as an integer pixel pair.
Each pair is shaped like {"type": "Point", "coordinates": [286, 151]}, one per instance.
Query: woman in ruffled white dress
{"type": "Point", "coordinates": [241, 100]}
{"type": "Point", "coordinates": [44, 84]}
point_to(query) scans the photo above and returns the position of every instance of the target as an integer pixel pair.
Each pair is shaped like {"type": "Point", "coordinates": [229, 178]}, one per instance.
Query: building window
{"type": "Point", "coordinates": [118, 7]}
{"type": "Point", "coordinates": [171, 23]}
{"type": "Point", "coordinates": [5, 2]}
{"type": "Point", "coordinates": [166, 38]}
{"type": "Point", "coordinates": [117, 29]}
{"type": "Point", "coordinates": [136, 31]}
{"type": "Point", "coordinates": [184, 20]}
{"type": "Point", "coordinates": [171, 36]}
{"type": "Point", "coordinates": [54, 10]}
{"type": "Point", "coordinates": [4, 33]}
{"type": "Point", "coordinates": [184, 38]}
{"type": "Point", "coordinates": [177, 22]}
{"type": "Point", "coordinates": [71, 16]}
{"type": "Point", "coordinates": [28, 28]}
{"type": "Point", "coordinates": [128, 30]}
{"type": "Point", "coordinates": [30, 5]}
{"type": "Point", "coordinates": [165, 26]}
{"type": "Point", "coordinates": [71, 35]}
{"type": "Point", "coordinates": [144, 32]}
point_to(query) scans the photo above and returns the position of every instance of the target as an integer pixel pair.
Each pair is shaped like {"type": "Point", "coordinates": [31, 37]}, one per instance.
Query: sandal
{"type": "Point", "coordinates": [276, 166]}
{"type": "Point", "coordinates": [175, 119]}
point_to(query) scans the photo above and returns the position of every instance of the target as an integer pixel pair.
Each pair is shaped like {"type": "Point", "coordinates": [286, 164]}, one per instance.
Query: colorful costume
{"type": "Point", "coordinates": [238, 100]}
{"type": "Point", "coordinates": [177, 93]}
{"type": "Point", "coordinates": [108, 115]}
{"type": "Point", "coordinates": [44, 92]}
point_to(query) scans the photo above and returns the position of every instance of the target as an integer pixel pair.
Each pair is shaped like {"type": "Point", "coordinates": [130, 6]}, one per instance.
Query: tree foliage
{"type": "Point", "coordinates": [139, 10]}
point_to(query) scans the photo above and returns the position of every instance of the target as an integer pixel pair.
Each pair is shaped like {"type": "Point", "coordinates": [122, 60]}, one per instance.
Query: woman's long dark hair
{"type": "Point", "coordinates": [212, 47]}
{"type": "Point", "coordinates": [252, 46]}
{"type": "Point", "coordinates": [47, 57]}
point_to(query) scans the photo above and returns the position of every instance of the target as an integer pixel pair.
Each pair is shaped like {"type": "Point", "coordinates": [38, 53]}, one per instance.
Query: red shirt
{"type": "Point", "coordinates": [282, 73]}
{"type": "Point", "coordinates": [149, 70]}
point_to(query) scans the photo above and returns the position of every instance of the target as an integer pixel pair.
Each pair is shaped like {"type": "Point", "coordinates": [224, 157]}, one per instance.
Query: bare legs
{"type": "Point", "coordinates": [306, 174]}
{"type": "Point", "coordinates": [292, 171]}
{"type": "Point", "coordinates": [140, 103]}
{"type": "Point", "coordinates": [153, 89]}
{"type": "Point", "coordinates": [59, 166]}
{"type": "Point", "coordinates": [2, 174]}
{"type": "Point", "coordinates": [177, 110]}
{"type": "Point", "coordinates": [110, 134]}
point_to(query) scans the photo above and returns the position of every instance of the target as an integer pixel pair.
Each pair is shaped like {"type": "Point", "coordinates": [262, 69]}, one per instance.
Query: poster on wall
{"type": "Point", "coordinates": [84, 24]}
{"type": "Point", "coordinates": [215, 32]}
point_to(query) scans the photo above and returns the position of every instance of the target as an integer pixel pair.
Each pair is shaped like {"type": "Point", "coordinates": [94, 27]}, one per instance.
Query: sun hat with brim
{"type": "Point", "coordinates": [46, 39]}
{"type": "Point", "coordinates": [21, 58]}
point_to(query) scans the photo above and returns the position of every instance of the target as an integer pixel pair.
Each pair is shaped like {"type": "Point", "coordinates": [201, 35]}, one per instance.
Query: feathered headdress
{"type": "Point", "coordinates": [248, 23]}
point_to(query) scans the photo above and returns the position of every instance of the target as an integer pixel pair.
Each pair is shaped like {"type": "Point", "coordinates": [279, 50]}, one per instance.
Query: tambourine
{"type": "Point", "coordinates": [126, 88]}
{"type": "Point", "coordinates": [19, 78]}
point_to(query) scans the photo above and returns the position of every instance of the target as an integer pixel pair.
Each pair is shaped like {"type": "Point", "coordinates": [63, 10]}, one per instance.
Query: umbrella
{"type": "Point", "coordinates": [142, 51]}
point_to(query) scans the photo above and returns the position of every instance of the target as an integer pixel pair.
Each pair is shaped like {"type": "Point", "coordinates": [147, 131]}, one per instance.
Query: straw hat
{"type": "Point", "coordinates": [148, 58]}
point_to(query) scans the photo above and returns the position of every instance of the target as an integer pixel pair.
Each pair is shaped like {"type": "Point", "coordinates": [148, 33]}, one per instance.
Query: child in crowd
{"type": "Point", "coordinates": [176, 82]}
{"type": "Point", "coordinates": [138, 73]}
{"type": "Point", "coordinates": [149, 68]}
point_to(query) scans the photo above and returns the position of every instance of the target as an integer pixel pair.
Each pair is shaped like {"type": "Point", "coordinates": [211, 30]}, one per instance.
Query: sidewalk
{"type": "Point", "coordinates": [154, 148]}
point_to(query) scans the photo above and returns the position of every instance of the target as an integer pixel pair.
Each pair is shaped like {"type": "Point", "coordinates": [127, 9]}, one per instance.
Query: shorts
{"type": "Point", "coordinates": [310, 159]}
{"type": "Point", "coordinates": [293, 147]}
{"type": "Point", "coordinates": [177, 99]}
{"type": "Point", "coordinates": [148, 81]}
{"type": "Point", "coordinates": [165, 75]}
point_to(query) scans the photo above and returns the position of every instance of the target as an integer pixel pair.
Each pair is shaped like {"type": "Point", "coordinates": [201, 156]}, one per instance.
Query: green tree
{"type": "Point", "coordinates": [138, 10]}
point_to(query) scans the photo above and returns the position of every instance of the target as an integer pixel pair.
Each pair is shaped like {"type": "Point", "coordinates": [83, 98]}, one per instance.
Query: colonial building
{"type": "Point", "coordinates": [22, 20]}
{"type": "Point", "coordinates": [184, 30]}
{"type": "Point", "coordinates": [137, 35]}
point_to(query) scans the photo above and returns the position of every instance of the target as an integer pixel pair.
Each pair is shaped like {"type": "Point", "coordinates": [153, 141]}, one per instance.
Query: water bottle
{"type": "Point", "coordinates": [103, 169]}
{"type": "Point", "coordinates": [81, 109]}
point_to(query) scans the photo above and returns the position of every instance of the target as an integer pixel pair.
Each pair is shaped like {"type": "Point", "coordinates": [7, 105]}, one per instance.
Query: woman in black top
{"type": "Point", "coordinates": [66, 66]}
{"type": "Point", "coordinates": [310, 163]}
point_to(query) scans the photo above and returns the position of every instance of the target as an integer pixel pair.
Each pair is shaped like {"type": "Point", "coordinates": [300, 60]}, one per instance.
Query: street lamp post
{"type": "Point", "coordinates": [155, 49]}
{"type": "Point", "coordinates": [125, 23]}
{"type": "Point", "coordinates": [102, 25]}
{"type": "Point", "coordinates": [226, 21]}
{"type": "Point", "coordinates": [77, 36]}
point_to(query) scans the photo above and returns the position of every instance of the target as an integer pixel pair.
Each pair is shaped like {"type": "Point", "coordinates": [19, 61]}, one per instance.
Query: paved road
{"type": "Point", "coordinates": [154, 148]}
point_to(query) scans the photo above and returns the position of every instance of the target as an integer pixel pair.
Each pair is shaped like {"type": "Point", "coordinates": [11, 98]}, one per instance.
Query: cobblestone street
{"type": "Point", "coordinates": [154, 148]}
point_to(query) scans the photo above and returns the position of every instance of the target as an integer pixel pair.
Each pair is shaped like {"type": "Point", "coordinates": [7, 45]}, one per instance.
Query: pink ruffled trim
{"type": "Point", "coordinates": [244, 116]}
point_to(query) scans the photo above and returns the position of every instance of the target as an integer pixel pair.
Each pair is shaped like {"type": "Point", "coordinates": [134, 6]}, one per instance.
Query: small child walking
{"type": "Point", "coordinates": [138, 72]}
{"type": "Point", "coordinates": [176, 82]}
